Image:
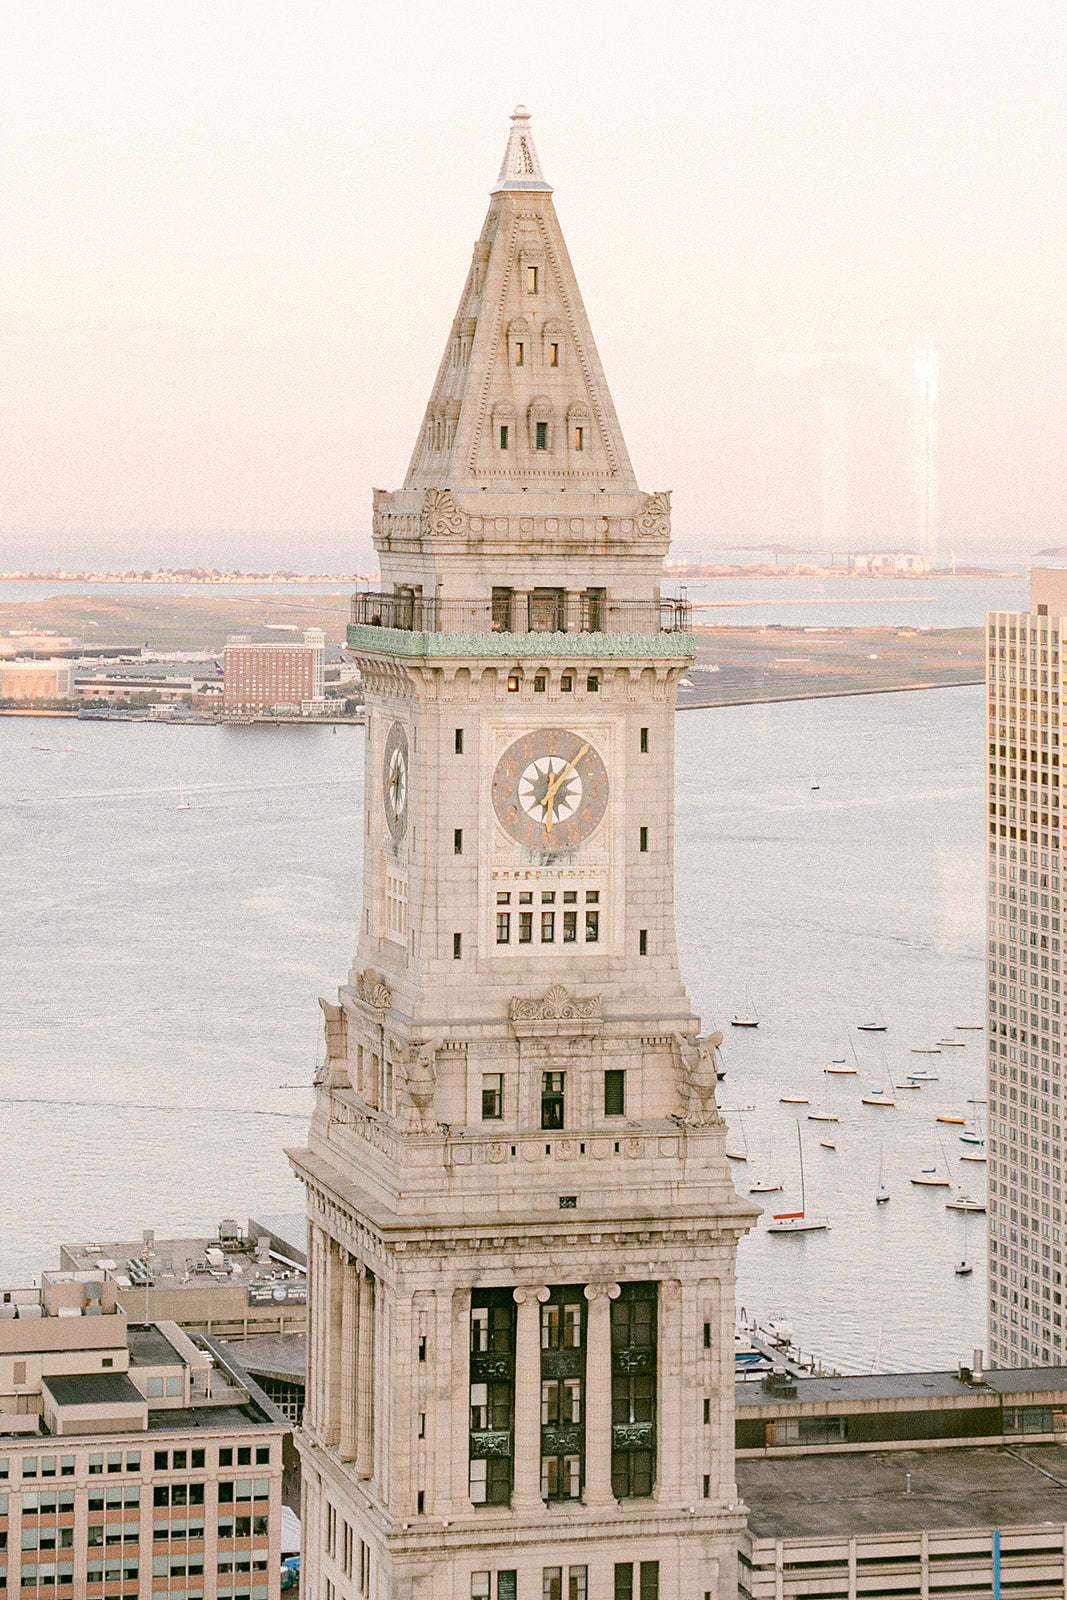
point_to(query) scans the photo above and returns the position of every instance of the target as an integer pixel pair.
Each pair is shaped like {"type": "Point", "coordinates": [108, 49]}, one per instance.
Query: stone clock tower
{"type": "Point", "coordinates": [523, 1229]}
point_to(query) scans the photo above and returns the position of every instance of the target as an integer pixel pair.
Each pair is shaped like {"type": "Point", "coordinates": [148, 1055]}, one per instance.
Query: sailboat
{"type": "Point", "coordinates": [972, 1135]}
{"type": "Point", "coordinates": [933, 1177]}
{"type": "Point", "coordinates": [875, 1022]}
{"type": "Point", "coordinates": [768, 1184]}
{"type": "Point", "coordinates": [742, 1153]}
{"type": "Point", "coordinates": [881, 1194]}
{"type": "Point", "coordinates": [746, 1017]}
{"type": "Point", "coordinates": [963, 1202]}
{"type": "Point", "coordinates": [183, 804]}
{"type": "Point", "coordinates": [841, 1068]}
{"type": "Point", "coordinates": [798, 1221]}
{"type": "Point", "coordinates": [963, 1267]}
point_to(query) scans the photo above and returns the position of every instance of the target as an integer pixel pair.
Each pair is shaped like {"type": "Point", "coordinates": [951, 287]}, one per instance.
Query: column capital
{"type": "Point", "coordinates": [598, 1291]}
{"type": "Point", "coordinates": [538, 1292]}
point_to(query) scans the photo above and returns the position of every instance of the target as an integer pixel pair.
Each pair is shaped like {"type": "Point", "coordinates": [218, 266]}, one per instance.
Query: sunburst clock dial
{"type": "Point", "coordinates": [550, 789]}
{"type": "Point", "coordinates": [395, 780]}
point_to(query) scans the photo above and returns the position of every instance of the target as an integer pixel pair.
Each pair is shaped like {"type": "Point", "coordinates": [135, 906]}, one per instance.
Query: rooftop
{"type": "Point", "coordinates": [271, 1355]}
{"type": "Point", "coordinates": [94, 1389]}
{"type": "Point", "coordinates": [998, 1383]}
{"type": "Point", "coordinates": [838, 1496]}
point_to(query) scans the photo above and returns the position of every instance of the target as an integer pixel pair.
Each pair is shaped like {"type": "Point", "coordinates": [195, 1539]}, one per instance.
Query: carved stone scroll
{"type": "Point", "coordinates": [556, 1005]}
{"type": "Point", "coordinates": [654, 518]}
{"type": "Point", "coordinates": [441, 515]}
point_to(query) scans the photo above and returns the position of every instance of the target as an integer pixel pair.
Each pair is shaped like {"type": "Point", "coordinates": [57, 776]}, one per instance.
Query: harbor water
{"type": "Point", "coordinates": [160, 968]}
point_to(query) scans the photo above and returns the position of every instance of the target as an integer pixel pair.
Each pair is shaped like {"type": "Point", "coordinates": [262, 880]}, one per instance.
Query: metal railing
{"type": "Point", "coordinates": [535, 612]}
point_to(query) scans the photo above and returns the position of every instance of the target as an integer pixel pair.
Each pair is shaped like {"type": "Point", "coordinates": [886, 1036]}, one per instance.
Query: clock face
{"type": "Point", "coordinates": [550, 789]}
{"type": "Point", "coordinates": [395, 780]}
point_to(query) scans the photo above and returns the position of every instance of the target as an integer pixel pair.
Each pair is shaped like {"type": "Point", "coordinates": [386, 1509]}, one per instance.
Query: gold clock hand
{"type": "Point", "coordinates": [554, 785]}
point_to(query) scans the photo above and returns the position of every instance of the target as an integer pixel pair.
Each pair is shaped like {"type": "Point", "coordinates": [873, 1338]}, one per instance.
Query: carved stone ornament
{"type": "Point", "coordinates": [654, 517]}
{"type": "Point", "coordinates": [334, 1070]}
{"type": "Point", "coordinates": [697, 1071]}
{"type": "Point", "coordinates": [419, 1085]}
{"type": "Point", "coordinates": [440, 514]}
{"type": "Point", "coordinates": [372, 992]}
{"type": "Point", "coordinates": [557, 1005]}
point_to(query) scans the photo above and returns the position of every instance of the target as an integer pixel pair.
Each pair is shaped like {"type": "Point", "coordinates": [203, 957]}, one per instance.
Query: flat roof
{"type": "Point", "coordinates": [94, 1389]}
{"type": "Point", "coordinates": [150, 1348]}
{"type": "Point", "coordinates": [179, 1263]}
{"type": "Point", "coordinates": [998, 1383]}
{"type": "Point", "coordinates": [228, 1417]}
{"type": "Point", "coordinates": [837, 1496]}
{"type": "Point", "coordinates": [270, 1355]}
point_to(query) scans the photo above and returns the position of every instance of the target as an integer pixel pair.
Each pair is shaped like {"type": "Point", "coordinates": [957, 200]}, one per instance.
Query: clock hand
{"type": "Point", "coordinates": [554, 785]}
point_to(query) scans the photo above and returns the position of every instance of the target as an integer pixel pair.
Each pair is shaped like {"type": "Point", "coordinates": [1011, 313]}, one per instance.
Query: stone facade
{"type": "Point", "coordinates": [523, 1227]}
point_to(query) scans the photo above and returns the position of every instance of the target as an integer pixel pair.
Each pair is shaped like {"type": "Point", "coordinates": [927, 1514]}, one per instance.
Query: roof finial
{"type": "Point", "coordinates": [520, 168]}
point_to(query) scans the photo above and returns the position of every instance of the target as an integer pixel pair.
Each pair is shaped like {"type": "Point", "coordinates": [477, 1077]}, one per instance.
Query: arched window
{"type": "Point", "coordinates": [541, 424]}
{"type": "Point", "coordinates": [504, 437]}
{"type": "Point", "coordinates": [519, 342]}
{"type": "Point", "coordinates": [552, 344]}
{"type": "Point", "coordinates": [579, 430]}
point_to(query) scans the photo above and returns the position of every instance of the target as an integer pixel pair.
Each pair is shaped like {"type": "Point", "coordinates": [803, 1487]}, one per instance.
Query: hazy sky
{"type": "Point", "coordinates": [233, 236]}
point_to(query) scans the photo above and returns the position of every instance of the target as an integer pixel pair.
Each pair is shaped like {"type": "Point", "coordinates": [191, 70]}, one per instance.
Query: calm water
{"type": "Point", "coordinates": [159, 972]}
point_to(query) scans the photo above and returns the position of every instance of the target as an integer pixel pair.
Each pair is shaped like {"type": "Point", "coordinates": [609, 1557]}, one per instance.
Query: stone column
{"type": "Point", "coordinates": [526, 1493]}
{"type": "Point", "coordinates": [365, 1385]}
{"type": "Point", "coordinates": [349, 1346]}
{"type": "Point", "coordinates": [598, 1394]}
{"type": "Point", "coordinates": [331, 1419]}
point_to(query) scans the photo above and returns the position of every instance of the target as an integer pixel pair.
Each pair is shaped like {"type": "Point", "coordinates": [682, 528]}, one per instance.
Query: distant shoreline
{"type": "Point", "coordinates": [704, 573]}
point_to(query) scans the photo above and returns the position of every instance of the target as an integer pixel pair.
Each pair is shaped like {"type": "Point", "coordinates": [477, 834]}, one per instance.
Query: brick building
{"type": "Point", "coordinates": [286, 678]}
{"type": "Point", "coordinates": [134, 1460]}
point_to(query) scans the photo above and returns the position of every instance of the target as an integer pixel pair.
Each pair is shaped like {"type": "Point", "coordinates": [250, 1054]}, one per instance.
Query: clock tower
{"type": "Point", "coordinates": [522, 1223]}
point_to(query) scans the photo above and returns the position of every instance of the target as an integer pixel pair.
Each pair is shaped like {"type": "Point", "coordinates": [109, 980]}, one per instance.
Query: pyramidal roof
{"type": "Point", "coordinates": [520, 400]}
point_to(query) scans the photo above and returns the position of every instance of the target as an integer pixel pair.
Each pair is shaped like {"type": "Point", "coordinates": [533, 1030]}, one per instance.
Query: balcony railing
{"type": "Point", "coordinates": [536, 612]}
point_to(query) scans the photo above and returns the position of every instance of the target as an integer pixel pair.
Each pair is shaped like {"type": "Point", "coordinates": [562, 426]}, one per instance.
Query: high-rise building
{"type": "Point", "coordinates": [1025, 972]}
{"type": "Point", "coordinates": [522, 1224]}
{"type": "Point", "coordinates": [275, 677]}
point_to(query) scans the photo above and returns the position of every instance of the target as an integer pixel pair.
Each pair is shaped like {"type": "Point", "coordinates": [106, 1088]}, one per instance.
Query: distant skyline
{"type": "Point", "coordinates": [233, 238]}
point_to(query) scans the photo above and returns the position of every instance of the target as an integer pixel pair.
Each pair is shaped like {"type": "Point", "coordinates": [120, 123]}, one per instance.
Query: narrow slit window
{"type": "Point", "coordinates": [457, 947]}
{"type": "Point", "coordinates": [642, 941]}
{"type": "Point", "coordinates": [503, 436]}
{"type": "Point", "coordinates": [518, 355]}
{"type": "Point", "coordinates": [542, 435]}
{"type": "Point", "coordinates": [579, 438]}
{"type": "Point", "coordinates": [644, 839]}
{"type": "Point", "coordinates": [459, 741]}
{"type": "Point", "coordinates": [553, 355]}
{"type": "Point", "coordinates": [548, 927]}
{"type": "Point", "coordinates": [457, 841]}
{"type": "Point", "coordinates": [503, 927]}
{"type": "Point", "coordinates": [644, 741]}
{"type": "Point", "coordinates": [531, 280]}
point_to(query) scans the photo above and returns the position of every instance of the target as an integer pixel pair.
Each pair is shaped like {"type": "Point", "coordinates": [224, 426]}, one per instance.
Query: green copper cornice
{"type": "Point", "coordinates": [521, 646]}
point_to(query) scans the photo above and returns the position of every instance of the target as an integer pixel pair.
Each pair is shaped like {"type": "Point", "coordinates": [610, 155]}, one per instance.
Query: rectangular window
{"type": "Point", "coordinates": [503, 927]}
{"type": "Point", "coordinates": [459, 741]}
{"type": "Point", "coordinates": [566, 684]}
{"type": "Point", "coordinates": [540, 683]}
{"type": "Point", "coordinates": [633, 1391]}
{"type": "Point", "coordinates": [642, 941]}
{"type": "Point", "coordinates": [548, 927]}
{"type": "Point", "coordinates": [570, 927]}
{"type": "Point", "coordinates": [643, 845]}
{"type": "Point", "coordinates": [457, 841]}
{"type": "Point", "coordinates": [503, 436]}
{"type": "Point", "coordinates": [525, 927]}
{"type": "Point", "coordinates": [570, 897]}
{"type": "Point", "coordinates": [577, 1583]}
{"type": "Point", "coordinates": [518, 355]}
{"type": "Point", "coordinates": [513, 683]}
{"type": "Point", "coordinates": [542, 435]}
{"type": "Point", "coordinates": [492, 1096]}
{"type": "Point", "coordinates": [644, 741]}
{"type": "Point", "coordinates": [553, 355]}
{"type": "Point", "coordinates": [615, 1094]}
{"type": "Point", "coordinates": [579, 438]}
{"type": "Point", "coordinates": [552, 1086]}
{"type": "Point", "coordinates": [531, 280]}
{"type": "Point", "coordinates": [592, 927]}
{"type": "Point", "coordinates": [501, 612]}
{"type": "Point", "coordinates": [592, 685]}
{"type": "Point", "coordinates": [624, 1580]}
{"type": "Point", "coordinates": [492, 1366]}
{"type": "Point", "coordinates": [457, 947]}
{"type": "Point", "coordinates": [551, 1580]}
{"type": "Point", "coordinates": [480, 1586]}
{"type": "Point", "coordinates": [649, 1580]}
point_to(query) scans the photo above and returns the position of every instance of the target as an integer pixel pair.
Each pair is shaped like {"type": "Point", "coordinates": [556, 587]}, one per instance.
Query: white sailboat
{"type": "Point", "coordinates": [798, 1221]}
{"type": "Point", "coordinates": [964, 1267]}
{"type": "Point", "coordinates": [747, 1017]}
{"type": "Point", "coordinates": [767, 1184]}
{"type": "Point", "coordinates": [875, 1022]}
{"type": "Point", "coordinates": [738, 1152]}
{"type": "Point", "coordinates": [935, 1177]}
{"type": "Point", "coordinates": [183, 804]}
{"type": "Point", "coordinates": [880, 1097]}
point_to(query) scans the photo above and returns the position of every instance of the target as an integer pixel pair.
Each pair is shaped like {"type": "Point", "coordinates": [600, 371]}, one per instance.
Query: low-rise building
{"type": "Point", "coordinates": [284, 678]}
{"type": "Point", "coordinates": [918, 1484]}
{"type": "Point", "coordinates": [134, 1459]}
{"type": "Point", "coordinates": [236, 1284]}
{"type": "Point", "coordinates": [36, 680]}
